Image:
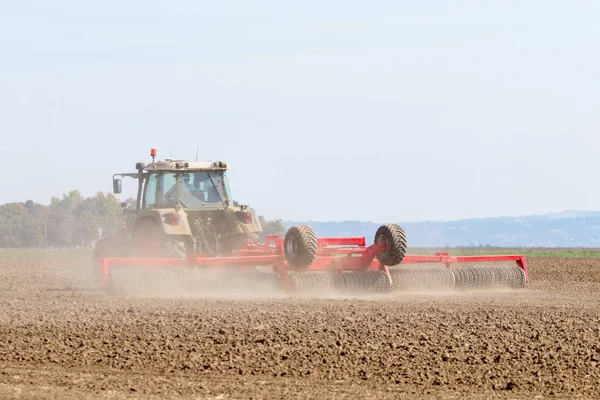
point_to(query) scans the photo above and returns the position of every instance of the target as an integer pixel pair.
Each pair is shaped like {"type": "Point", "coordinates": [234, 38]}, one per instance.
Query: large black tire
{"type": "Point", "coordinates": [108, 247]}
{"type": "Point", "coordinates": [150, 241]}
{"type": "Point", "coordinates": [147, 239]}
{"type": "Point", "coordinates": [175, 248]}
{"type": "Point", "coordinates": [104, 248]}
{"type": "Point", "coordinates": [300, 246]}
{"type": "Point", "coordinates": [395, 239]}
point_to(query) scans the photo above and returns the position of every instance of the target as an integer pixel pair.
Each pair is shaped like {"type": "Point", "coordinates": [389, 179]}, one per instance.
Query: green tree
{"type": "Point", "coordinates": [19, 227]}
{"type": "Point", "coordinates": [76, 220]}
{"type": "Point", "coordinates": [101, 211]}
{"type": "Point", "coordinates": [35, 231]}
{"type": "Point", "coordinates": [272, 227]}
{"type": "Point", "coordinates": [11, 219]}
{"type": "Point", "coordinates": [61, 220]}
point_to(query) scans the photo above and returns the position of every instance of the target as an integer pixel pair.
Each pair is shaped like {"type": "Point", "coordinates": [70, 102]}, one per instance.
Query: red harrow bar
{"type": "Point", "coordinates": [300, 261]}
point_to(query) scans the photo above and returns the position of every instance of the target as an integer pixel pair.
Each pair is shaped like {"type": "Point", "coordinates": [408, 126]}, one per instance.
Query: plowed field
{"type": "Point", "coordinates": [62, 338]}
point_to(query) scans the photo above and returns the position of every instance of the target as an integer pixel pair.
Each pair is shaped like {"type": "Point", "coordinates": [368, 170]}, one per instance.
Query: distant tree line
{"type": "Point", "coordinates": [71, 221]}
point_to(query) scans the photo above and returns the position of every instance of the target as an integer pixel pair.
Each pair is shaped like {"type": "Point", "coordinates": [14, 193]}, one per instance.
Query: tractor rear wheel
{"type": "Point", "coordinates": [147, 238]}
{"type": "Point", "coordinates": [150, 241]}
{"type": "Point", "coordinates": [395, 239]}
{"type": "Point", "coordinates": [175, 248]}
{"type": "Point", "coordinates": [300, 246]}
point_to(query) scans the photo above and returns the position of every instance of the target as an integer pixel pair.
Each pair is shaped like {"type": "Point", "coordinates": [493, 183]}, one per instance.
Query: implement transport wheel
{"type": "Point", "coordinates": [395, 239]}
{"type": "Point", "coordinates": [300, 246]}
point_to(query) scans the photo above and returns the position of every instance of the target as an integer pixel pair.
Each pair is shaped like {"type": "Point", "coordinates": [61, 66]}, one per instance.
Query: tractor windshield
{"type": "Point", "coordinates": [202, 188]}
{"type": "Point", "coordinates": [195, 189]}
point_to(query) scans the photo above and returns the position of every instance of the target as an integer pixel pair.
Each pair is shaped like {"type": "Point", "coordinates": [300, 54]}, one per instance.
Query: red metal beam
{"type": "Point", "coordinates": [268, 260]}
{"type": "Point", "coordinates": [357, 241]}
{"type": "Point", "coordinates": [253, 253]}
{"type": "Point", "coordinates": [147, 261]}
{"type": "Point", "coordinates": [412, 259]}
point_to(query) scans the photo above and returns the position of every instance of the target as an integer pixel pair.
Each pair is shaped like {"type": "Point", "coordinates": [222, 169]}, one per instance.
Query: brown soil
{"type": "Point", "coordinates": [61, 338]}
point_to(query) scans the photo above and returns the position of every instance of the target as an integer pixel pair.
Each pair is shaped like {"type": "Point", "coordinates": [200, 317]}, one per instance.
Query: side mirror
{"type": "Point", "coordinates": [117, 186]}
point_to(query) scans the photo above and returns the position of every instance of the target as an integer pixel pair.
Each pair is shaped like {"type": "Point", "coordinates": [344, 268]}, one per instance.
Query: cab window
{"type": "Point", "coordinates": [161, 190]}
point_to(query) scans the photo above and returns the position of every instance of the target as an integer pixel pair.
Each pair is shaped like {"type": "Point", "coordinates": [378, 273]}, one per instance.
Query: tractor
{"type": "Point", "coordinates": [182, 208]}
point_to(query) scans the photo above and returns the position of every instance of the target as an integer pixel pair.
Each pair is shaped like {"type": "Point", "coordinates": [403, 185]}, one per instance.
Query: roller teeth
{"type": "Point", "coordinates": [311, 281]}
{"type": "Point", "coordinates": [140, 282]}
{"type": "Point", "coordinates": [365, 281]}
{"type": "Point", "coordinates": [422, 280]}
{"type": "Point", "coordinates": [136, 282]}
{"type": "Point", "coordinates": [347, 282]}
{"type": "Point", "coordinates": [417, 280]}
{"type": "Point", "coordinates": [490, 277]}
{"type": "Point", "coordinates": [166, 282]}
{"type": "Point", "coordinates": [232, 282]}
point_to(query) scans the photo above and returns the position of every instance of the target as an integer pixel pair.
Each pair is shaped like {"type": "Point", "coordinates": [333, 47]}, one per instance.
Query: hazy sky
{"type": "Point", "coordinates": [337, 110]}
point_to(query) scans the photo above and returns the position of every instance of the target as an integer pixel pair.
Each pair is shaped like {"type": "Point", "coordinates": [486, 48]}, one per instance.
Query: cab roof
{"type": "Point", "coordinates": [183, 165]}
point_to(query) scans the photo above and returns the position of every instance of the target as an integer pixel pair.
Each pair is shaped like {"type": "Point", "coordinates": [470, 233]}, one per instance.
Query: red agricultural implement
{"type": "Point", "coordinates": [186, 234]}
{"type": "Point", "coordinates": [300, 262]}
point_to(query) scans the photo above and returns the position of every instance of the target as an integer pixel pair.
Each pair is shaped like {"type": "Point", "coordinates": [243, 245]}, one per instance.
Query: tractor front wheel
{"type": "Point", "coordinates": [108, 247]}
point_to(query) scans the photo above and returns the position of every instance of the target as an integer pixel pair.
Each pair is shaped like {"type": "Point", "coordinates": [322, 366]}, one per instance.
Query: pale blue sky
{"type": "Point", "coordinates": [382, 111]}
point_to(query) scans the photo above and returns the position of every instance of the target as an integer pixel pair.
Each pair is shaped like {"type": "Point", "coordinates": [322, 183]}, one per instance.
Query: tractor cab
{"type": "Point", "coordinates": [179, 184]}
{"type": "Point", "coordinates": [186, 205]}
{"type": "Point", "coordinates": [193, 187]}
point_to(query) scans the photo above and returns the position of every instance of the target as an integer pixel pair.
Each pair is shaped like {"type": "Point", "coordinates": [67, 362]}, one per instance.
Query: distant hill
{"type": "Point", "coordinates": [562, 229]}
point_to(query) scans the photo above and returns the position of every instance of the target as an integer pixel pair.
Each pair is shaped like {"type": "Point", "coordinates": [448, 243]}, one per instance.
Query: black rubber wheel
{"type": "Point", "coordinates": [108, 247]}
{"type": "Point", "coordinates": [148, 239]}
{"type": "Point", "coordinates": [175, 248]}
{"type": "Point", "coordinates": [395, 239]}
{"type": "Point", "coordinates": [300, 246]}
